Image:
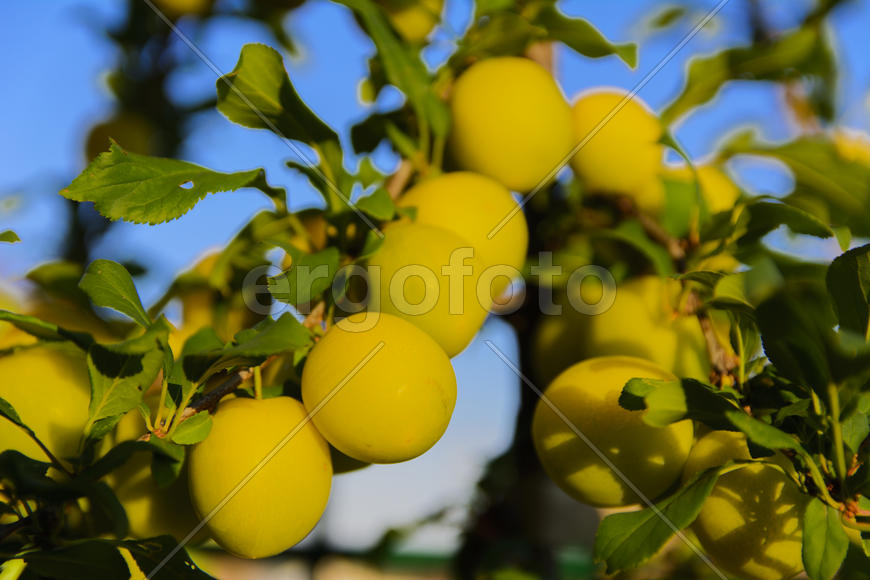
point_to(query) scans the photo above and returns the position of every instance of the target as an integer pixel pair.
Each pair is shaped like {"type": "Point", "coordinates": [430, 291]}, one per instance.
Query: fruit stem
{"type": "Point", "coordinates": [158, 419]}
{"type": "Point", "coordinates": [258, 383]}
{"type": "Point", "coordinates": [850, 523]}
{"type": "Point", "coordinates": [837, 431]}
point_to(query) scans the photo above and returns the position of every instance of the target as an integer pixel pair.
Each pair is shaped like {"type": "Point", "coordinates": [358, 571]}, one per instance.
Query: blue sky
{"type": "Point", "coordinates": [55, 58]}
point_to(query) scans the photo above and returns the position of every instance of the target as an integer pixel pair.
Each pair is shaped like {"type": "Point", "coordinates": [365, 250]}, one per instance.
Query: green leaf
{"type": "Point", "coordinates": [765, 216]}
{"type": "Point", "coordinates": [46, 330]}
{"type": "Point", "coordinates": [8, 412]}
{"type": "Point", "coordinates": [501, 34]}
{"type": "Point", "coordinates": [119, 375]}
{"type": "Point", "coordinates": [626, 540]}
{"type": "Point", "coordinates": [121, 453]}
{"type": "Point", "coordinates": [486, 7]}
{"type": "Point", "coordinates": [378, 205]}
{"type": "Point", "coordinates": [803, 51]}
{"type": "Point", "coordinates": [193, 430]}
{"type": "Point", "coordinates": [9, 237]}
{"type": "Point", "coordinates": [632, 233]}
{"type": "Point", "coordinates": [83, 560]}
{"type": "Point", "coordinates": [748, 288]}
{"type": "Point", "coordinates": [848, 282]}
{"type": "Point", "coordinates": [308, 277]}
{"type": "Point", "coordinates": [142, 189]}
{"type": "Point", "coordinates": [258, 94]}
{"type": "Point", "coordinates": [403, 67]}
{"type": "Point", "coordinates": [667, 402]}
{"type": "Point", "coordinates": [108, 284]}
{"type": "Point", "coordinates": [271, 337]}
{"type": "Point", "coordinates": [828, 185]}
{"type": "Point", "coordinates": [825, 543]}
{"type": "Point", "coordinates": [797, 333]}
{"type": "Point", "coordinates": [152, 552]}
{"type": "Point", "coordinates": [668, 16]}
{"type": "Point", "coordinates": [579, 35]}
{"type": "Point", "coordinates": [762, 434]}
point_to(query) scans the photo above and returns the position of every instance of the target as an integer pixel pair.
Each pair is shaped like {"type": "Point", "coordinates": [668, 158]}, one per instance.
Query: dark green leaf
{"type": "Point", "coordinates": [848, 282]}
{"type": "Point", "coordinates": [8, 412]}
{"type": "Point", "coordinates": [762, 434]}
{"type": "Point", "coordinates": [46, 330]}
{"type": "Point", "coordinates": [142, 189]}
{"type": "Point", "coordinates": [667, 402]}
{"type": "Point", "coordinates": [804, 51]}
{"type": "Point", "coordinates": [828, 185]}
{"type": "Point", "coordinates": [766, 216]}
{"type": "Point", "coordinates": [193, 430]}
{"type": "Point", "coordinates": [747, 288]}
{"type": "Point", "coordinates": [581, 36]}
{"type": "Point", "coordinates": [84, 560]}
{"type": "Point", "coordinates": [119, 374]}
{"type": "Point", "coordinates": [9, 237]}
{"type": "Point", "coordinates": [825, 543]}
{"type": "Point", "coordinates": [110, 285]}
{"type": "Point", "coordinates": [626, 540]}
{"type": "Point", "coordinates": [152, 552]}
{"type": "Point", "coordinates": [632, 233]}
{"type": "Point", "coordinates": [796, 327]}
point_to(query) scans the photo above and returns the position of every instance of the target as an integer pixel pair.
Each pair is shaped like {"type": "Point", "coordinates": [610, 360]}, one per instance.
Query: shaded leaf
{"type": "Point", "coordinates": [46, 330]}
{"type": "Point", "coordinates": [848, 282]}
{"type": "Point", "coordinates": [667, 402]}
{"type": "Point", "coordinates": [193, 430]}
{"type": "Point", "coordinates": [825, 546]}
{"type": "Point", "coordinates": [84, 560]}
{"type": "Point", "coordinates": [119, 375]}
{"type": "Point", "coordinates": [579, 35]}
{"type": "Point", "coordinates": [9, 237]}
{"type": "Point", "coordinates": [152, 552]}
{"type": "Point", "coordinates": [626, 540]}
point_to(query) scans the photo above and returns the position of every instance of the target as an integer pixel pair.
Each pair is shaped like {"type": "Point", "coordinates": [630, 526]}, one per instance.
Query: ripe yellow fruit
{"type": "Point", "coordinates": [510, 122]}
{"type": "Point", "coordinates": [623, 156]}
{"type": "Point", "coordinates": [284, 498]}
{"type": "Point", "coordinates": [642, 322]}
{"type": "Point", "coordinates": [718, 190]}
{"type": "Point", "coordinates": [428, 276]}
{"type": "Point", "coordinates": [750, 526]}
{"type": "Point", "coordinates": [49, 388]}
{"type": "Point", "coordinates": [587, 394]}
{"type": "Point", "coordinates": [413, 19]}
{"type": "Point", "coordinates": [133, 568]}
{"type": "Point", "coordinates": [391, 408]}
{"type": "Point", "coordinates": [151, 511]}
{"type": "Point", "coordinates": [853, 145]}
{"type": "Point", "coordinates": [471, 206]}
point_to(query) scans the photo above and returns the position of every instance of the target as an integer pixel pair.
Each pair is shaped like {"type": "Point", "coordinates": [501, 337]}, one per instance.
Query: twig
{"type": "Point", "coordinates": [398, 181]}
{"type": "Point", "coordinates": [723, 362]}
{"type": "Point", "coordinates": [658, 234]}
